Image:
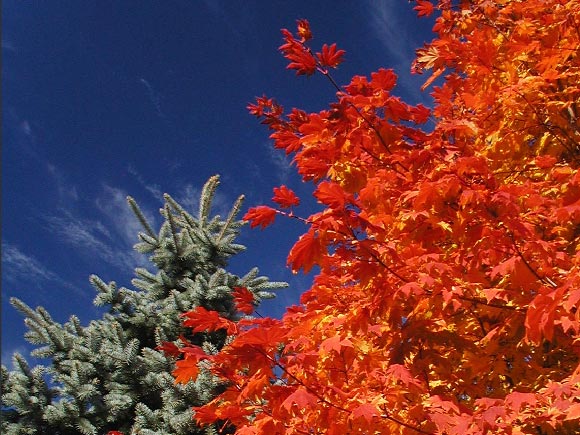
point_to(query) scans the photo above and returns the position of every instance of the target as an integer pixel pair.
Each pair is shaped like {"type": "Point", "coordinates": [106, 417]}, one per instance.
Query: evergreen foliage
{"type": "Point", "coordinates": [108, 376]}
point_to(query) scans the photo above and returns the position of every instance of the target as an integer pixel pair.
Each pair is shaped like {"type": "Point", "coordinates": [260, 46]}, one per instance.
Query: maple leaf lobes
{"type": "Point", "coordinates": [244, 300]}
{"type": "Point", "coordinates": [447, 295]}
{"type": "Point", "coordinates": [424, 8]}
{"type": "Point", "coordinates": [201, 320]}
{"type": "Point", "coordinates": [303, 30]}
{"type": "Point", "coordinates": [170, 349]}
{"type": "Point", "coordinates": [261, 215]}
{"type": "Point", "coordinates": [330, 56]}
{"type": "Point", "coordinates": [306, 252]}
{"type": "Point", "coordinates": [186, 370]}
{"type": "Point", "coordinates": [285, 197]}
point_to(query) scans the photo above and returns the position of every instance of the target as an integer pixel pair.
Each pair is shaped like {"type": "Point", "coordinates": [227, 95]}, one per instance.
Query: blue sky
{"type": "Point", "coordinates": [102, 99]}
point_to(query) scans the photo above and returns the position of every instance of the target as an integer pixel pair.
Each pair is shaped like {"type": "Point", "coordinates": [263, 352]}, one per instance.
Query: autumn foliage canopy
{"type": "Point", "coordinates": [447, 294]}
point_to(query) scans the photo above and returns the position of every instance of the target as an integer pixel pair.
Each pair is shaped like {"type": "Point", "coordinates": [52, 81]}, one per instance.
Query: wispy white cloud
{"type": "Point", "coordinates": [152, 188]}
{"type": "Point", "coordinates": [154, 97]}
{"type": "Point", "coordinates": [24, 270]}
{"type": "Point", "coordinates": [112, 203]}
{"type": "Point", "coordinates": [281, 162]}
{"type": "Point", "coordinates": [389, 27]}
{"type": "Point", "coordinates": [91, 238]}
{"type": "Point", "coordinates": [188, 198]}
{"type": "Point", "coordinates": [66, 191]}
{"type": "Point", "coordinates": [189, 195]}
{"type": "Point", "coordinates": [22, 133]}
{"type": "Point", "coordinates": [18, 266]}
{"type": "Point", "coordinates": [26, 129]}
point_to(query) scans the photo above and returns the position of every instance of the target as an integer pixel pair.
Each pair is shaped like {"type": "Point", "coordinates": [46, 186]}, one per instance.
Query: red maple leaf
{"type": "Point", "coordinates": [424, 8]}
{"type": "Point", "coordinates": [200, 320]}
{"type": "Point", "coordinates": [331, 194]}
{"type": "Point", "coordinates": [261, 215]}
{"type": "Point", "coordinates": [573, 412]}
{"type": "Point", "coordinates": [285, 197]}
{"type": "Point", "coordinates": [330, 56]}
{"type": "Point", "coordinates": [303, 30]}
{"type": "Point", "coordinates": [300, 58]}
{"type": "Point", "coordinates": [205, 414]}
{"type": "Point", "coordinates": [301, 61]}
{"type": "Point", "coordinates": [306, 252]}
{"type": "Point", "coordinates": [300, 397]}
{"type": "Point", "coordinates": [186, 370]}
{"type": "Point", "coordinates": [170, 349]}
{"type": "Point", "coordinates": [244, 300]}
{"type": "Point", "coordinates": [365, 411]}
{"type": "Point", "coordinates": [262, 336]}
{"type": "Point", "coordinates": [383, 79]}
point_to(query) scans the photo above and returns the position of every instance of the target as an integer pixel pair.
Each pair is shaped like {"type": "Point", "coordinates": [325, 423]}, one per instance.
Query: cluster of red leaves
{"type": "Point", "coordinates": [448, 297]}
{"type": "Point", "coordinates": [301, 57]}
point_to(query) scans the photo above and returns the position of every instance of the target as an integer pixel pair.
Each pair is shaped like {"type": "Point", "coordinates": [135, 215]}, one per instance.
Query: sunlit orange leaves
{"type": "Point", "coordinates": [446, 298]}
{"type": "Point", "coordinates": [332, 195]}
{"type": "Point", "coordinates": [304, 31]}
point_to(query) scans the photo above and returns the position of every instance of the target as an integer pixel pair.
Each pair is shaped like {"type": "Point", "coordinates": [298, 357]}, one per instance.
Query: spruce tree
{"type": "Point", "coordinates": [109, 375]}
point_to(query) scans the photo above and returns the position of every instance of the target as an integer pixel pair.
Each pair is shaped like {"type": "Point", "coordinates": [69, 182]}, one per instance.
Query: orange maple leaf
{"type": "Point", "coordinates": [301, 398]}
{"type": "Point", "coordinates": [303, 30]}
{"type": "Point", "coordinates": [261, 215]}
{"type": "Point", "coordinates": [365, 411]}
{"type": "Point", "coordinates": [186, 370]}
{"type": "Point", "coordinates": [169, 348]}
{"type": "Point", "coordinates": [200, 320]}
{"type": "Point", "coordinates": [266, 337]}
{"type": "Point", "coordinates": [285, 197]}
{"type": "Point", "coordinates": [244, 300]}
{"type": "Point", "coordinates": [306, 252]}
{"type": "Point", "coordinates": [424, 8]}
{"type": "Point", "coordinates": [332, 194]}
{"type": "Point", "coordinates": [330, 56]}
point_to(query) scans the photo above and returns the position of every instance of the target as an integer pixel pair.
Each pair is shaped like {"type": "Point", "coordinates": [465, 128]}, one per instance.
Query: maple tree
{"type": "Point", "coordinates": [448, 294]}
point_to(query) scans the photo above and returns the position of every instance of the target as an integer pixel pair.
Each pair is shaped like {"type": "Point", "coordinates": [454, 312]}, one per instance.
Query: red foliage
{"type": "Point", "coordinates": [261, 215]}
{"type": "Point", "coordinates": [448, 294]}
{"type": "Point", "coordinates": [285, 197]}
{"type": "Point", "coordinates": [244, 300]}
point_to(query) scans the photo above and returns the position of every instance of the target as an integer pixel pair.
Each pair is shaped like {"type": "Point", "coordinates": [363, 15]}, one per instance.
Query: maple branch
{"type": "Point", "coordinates": [293, 216]}
{"type": "Point", "coordinates": [329, 403]}
{"type": "Point", "coordinates": [550, 128]}
{"type": "Point", "coordinates": [402, 423]}
{"type": "Point", "coordinates": [543, 280]}
{"type": "Point", "coordinates": [326, 73]}
{"type": "Point", "coordinates": [479, 321]}
{"type": "Point", "coordinates": [382, 263]}
{"type": "Point", "coordinates": [482, 302]}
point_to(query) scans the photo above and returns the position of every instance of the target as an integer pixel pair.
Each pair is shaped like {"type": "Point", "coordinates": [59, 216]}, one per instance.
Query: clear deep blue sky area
{"type": "Point", "coordinates": [102, 99]}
